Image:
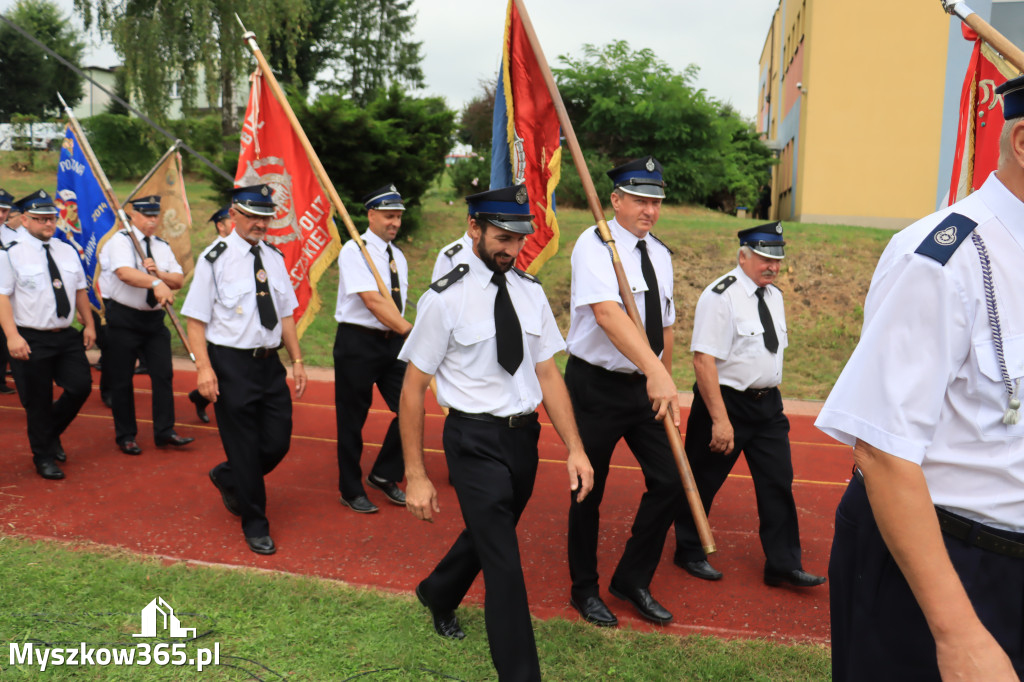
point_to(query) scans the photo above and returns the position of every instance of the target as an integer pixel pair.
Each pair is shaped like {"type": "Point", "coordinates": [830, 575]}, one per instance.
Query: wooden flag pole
{"type": "Point", "coordinates": [275, 88]}
{"type": "Point", "coordinates": [675, 440]}
{"type": "Point", "coordinates": [986, 32]}
{"type": "Point", "coordinates": [108, 191]}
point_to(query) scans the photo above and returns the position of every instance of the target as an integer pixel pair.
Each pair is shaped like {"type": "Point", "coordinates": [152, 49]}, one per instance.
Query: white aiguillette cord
{"type": "Point", "coordinates": [1012, 414]}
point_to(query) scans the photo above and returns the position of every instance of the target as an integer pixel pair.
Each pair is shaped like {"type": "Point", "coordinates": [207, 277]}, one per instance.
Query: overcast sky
{"type": "Point", "coordinates": [462, 39]}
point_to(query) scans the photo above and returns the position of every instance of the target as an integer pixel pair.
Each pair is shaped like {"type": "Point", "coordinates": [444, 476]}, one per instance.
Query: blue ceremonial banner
{"type": "Point", "coordinates": [85, 215]}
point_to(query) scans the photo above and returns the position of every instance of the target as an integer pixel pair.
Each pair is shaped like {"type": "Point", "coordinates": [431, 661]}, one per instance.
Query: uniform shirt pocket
{"type": "Point", "coordinates": [32, 276]}
{"type": "Point", "coordinates": [233, 293]}
{"type": "Point", "coordinates": [783, 338]}
{"type": "Point", "coordinates": [750, 337]}
{"type": "Point", "coordinates": [475, 332]}
{"type": "Point", "coordinates": [1013, 354]}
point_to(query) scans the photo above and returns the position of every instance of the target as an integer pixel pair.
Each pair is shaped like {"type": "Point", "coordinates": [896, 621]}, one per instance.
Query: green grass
{"type": "Point", "coordinates": [270, 626]}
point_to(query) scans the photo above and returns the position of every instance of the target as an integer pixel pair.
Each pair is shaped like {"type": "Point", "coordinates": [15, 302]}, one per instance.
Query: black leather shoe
{"type": "Point", "coordinates": [61, 456]}
{"type": "Point", "coordinates": [699, 569]}
{"type": "Point", "coordinates": [7, 390]}
{"type": "Point", "coordinates": [174, 440]}
{"type": "Point", "coordinates": [641, 599]}
{"type": "Point", "coordinates": [594, 610]}
{"type": "Point", "coordinates": [230, 503]}
{"type": "Point", "coordinates": [389, 488]}
{"type": "Point", "coordinates": [445, 624]}
{"type": "Point", "coordinates": [141, 369]}
{"type": "Point", "coordinates": [797, 578]}
{"type": "Point", "coordinates": [261, 545]}
{"type": "Point", "coordinates": [49, 471]}
{"type": "Point", "coordinates": [195, 397]}
{"type": "Point", "coordinates": [130, 447]}
{"type": "Point", "coordinates": [360, 504]}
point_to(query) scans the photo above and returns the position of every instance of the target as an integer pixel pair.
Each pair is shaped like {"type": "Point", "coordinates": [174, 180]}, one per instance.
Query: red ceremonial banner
{"type": "Point", "coordinates": [981, 118]}
{"type": "Point", "coordinates": [301, 228]}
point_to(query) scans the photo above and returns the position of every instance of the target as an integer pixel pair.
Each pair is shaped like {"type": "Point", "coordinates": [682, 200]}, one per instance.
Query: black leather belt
{"type": "Point", "coordinates": [753, 393]}
{"type": "Point", "coordinates": [996, 540]}
{"type": "Point", "coordinates": [516, 421]}
{"type": "Point", "coordinates": [379, 333]}
{"type": "Point", "coordinates": [258, 353]}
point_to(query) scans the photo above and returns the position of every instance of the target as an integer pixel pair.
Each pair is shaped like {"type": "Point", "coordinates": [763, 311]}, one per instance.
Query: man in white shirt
{"type": "Point", "coordinates": [927, 568]}
{"type": "Point", "coordinates": [487, 333]}
{"type": "Point", "coordinates": [451, 255]}
{"type": "Point", "coordinates": [135, 288]}
{"type": "Point", "coordinates": [42, 285]}
{"type": "Point", "coordinates": [371, 329]}
{"type": "Point", "coordinates": [7, 235]}
{"type": "Point", "coordinates": [239, 311]}
{"type": "Point", "coordinates": [739, 335]}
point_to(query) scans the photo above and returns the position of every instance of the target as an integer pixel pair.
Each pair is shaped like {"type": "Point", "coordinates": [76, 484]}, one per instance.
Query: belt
{"type": "Point", "coordinates": [258, 353]}
{"type": "Point", "coordinates": [31, 330]}
{"type": "Point", "coordinates": [753, 393]}
{"type": "Point", "coordinates": [379, 333]}
{"type": "Point", "coordinates": [516, 421]}
{"type": "Point", "coordinates": [629, 377]}
{"type": "Point", "coordinates": [979, 535]}
{"type": "Point", "coordinates": [995, 540]}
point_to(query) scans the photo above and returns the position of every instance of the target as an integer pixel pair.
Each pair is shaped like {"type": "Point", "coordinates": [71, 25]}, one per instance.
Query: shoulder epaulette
{"type": "Point", "coordinates": [215, 251]}
{"type": "Point", "coordinates": [451, 278]}
{"type": "Point", "coordinates": [273, 248]}
{"type": "Point", "coordinates": [161, 239]}
{"type": "Point", "coordinates": [455, 248]}
{"type": "Point", "coordinates": [525, 275]}
{"type": "Point", "coordinates": [724, 284]}
{"type": "Point", "coordinates": [661, 242]}
{"type": "Point", "coordinates": [947, 237]}
{"type": "Point", "coordinates": [4, 247]}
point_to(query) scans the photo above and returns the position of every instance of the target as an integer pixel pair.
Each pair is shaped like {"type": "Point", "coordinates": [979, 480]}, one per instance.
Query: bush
{"type": "Point", "coordinates": [569, 192]}
{"type": "Point", "coordinates": [469, 176]}
{"type": "Point", "coordinates": [124, 146]}
{"type": "Point", "coordinates": [202, 134]}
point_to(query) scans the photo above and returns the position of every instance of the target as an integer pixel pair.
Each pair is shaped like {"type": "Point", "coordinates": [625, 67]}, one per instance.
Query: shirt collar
{"type": "Point", "coordinates": [480, 272]}
{"type": "Point", "coordinates": [749, 287]}
{"type": "Point", "coordinates": [235, 241]}
{"type": "Point", "coordinates": [1004, 204]}
{"type": "Point", "coordinates": [625, 240]}
{"type": "Point", "coordinates": [369, 237]}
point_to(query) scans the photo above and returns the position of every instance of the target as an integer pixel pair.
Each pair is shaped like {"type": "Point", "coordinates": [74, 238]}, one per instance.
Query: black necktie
{"type": "Point", "coordinates": [652, 302]}
{"type": "Point", "coordinates": [771, 339]}
{"type": "Point", "coordinates": [508, 333]}
{"type": "Point", "coordinates": [268, 316]}
{"type": "Point", "coordinates": [150, 295]}
{"type": "Point", "coordinates": [396, 290]}
{"type": "Point", "coordinates": [63, 304]}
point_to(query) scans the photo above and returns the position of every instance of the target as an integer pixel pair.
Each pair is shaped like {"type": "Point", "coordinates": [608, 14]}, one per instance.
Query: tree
{"type": "Point", "coordinates": [475, 122]}
{"type": "Point", "coordinates": [195, 43]}
{"type": "Point", "coordinates": [29, 78]}
{"type": "Point", "coordinates": [373, 50]}
{"type": "Point", "coordinates": [394, 138]}
{"type": "Point", "coordinates": [312, 55]}
{"type": "Point", "coordinates": [625, 104]}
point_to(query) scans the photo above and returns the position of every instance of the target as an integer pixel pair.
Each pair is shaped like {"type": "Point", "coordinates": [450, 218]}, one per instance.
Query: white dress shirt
{"type": "Point", "coordinates": [223, 295]}
{"type": "Point", "coordinates": [119, 252]}
{"type": "Point", "coordinates": [924, 382]}
{"type": "Point", "coordinates": [728, 327]}
{"type": "Point", "coordinates": [9, 234]}
{"type": "Point", "coordinates": [460, 250]}
{"type": "Point", "coordinates": [593, 281]}
{"type": "Point", "coordinates": [25, 278]}
{"type": "Point", "coordinates": [355, 277]}
{"type": "Point", "coordinates": [454, 339]}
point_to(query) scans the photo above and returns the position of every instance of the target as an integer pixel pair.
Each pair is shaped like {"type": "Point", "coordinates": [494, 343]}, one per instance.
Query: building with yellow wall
{"type": "Point", "coordinates": [861, 103]}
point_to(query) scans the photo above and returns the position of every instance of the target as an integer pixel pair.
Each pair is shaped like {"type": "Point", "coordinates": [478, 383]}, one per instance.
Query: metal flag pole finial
{"type": "Point", "coordinates": [986, 32]}
{"type": "Point", "coordinates": [957, 8]}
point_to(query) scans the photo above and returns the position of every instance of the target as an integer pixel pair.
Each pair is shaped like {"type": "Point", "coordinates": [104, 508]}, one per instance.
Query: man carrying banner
{"type": "Point", "coordinates": [621, 387]}
{"type": "Point", "coordinates": [927, 567]}
{"type": "Point", "coordinates": [488, 334]}
{"type": "Point", "coordinates": [7, 235]}
{"type": "Point", "coordinates": [239, 311]}
{"type": "Point", "coordinates": [37, 277]}
{"type": "Point", "coordinates": [370, 334]}
{"type": "Point", "coordinates": [223, 224]}
{"type": "Point", "coordinates": [135, 289]}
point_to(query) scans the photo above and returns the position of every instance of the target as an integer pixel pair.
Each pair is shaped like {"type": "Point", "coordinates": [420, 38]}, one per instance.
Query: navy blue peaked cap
{"type": "Point", "coordinates": [764, 239]}
{"type": "Point", "coordinates": [641, 177]}
{"type": "Point", "coordinates": [384, 198]}
{"type": "Point", "coordinates": [505, 207]}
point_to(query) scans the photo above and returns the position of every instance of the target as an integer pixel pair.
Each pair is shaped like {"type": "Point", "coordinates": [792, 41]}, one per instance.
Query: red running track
{"type": "Point", "coordinates": [162, 503]}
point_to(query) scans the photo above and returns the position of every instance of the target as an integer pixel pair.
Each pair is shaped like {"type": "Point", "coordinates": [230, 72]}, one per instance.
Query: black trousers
{"type": "Point", "coordinates": [362, 358]}
{"type": "Point", "coordinates": [135, 333]}
{"type": "Point", "coordinates": [101, 344]}
{"type": "Point", "coordinates": [254, 417]}
{"type": "Point", "coordinates": [5, 357]}
{"type": "Point", "coordinates": [761, 433]}
{"type": "Point", "coordinates": [878, 630]}
{"type": "Point", "coordinates": [493, 469]}
{"type": "Point", "coordinates": [57, 357]}
{"type": "Point", "coordinates": [611, 406]}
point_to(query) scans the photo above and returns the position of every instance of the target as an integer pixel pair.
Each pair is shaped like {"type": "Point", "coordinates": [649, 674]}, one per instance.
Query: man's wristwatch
{"type": "Point", "coordinates": [155, 283]}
